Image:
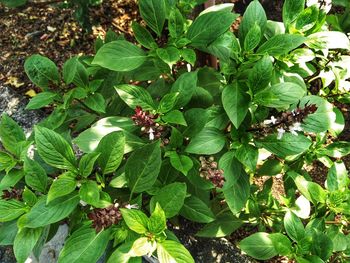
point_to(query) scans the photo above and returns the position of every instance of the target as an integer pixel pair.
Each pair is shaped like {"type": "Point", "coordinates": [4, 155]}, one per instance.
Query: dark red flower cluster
{"type": "Point", "coordinates": [299, 114]}
{"type": "Point", "coordinates": [105, 217]}
{"type": "Point", "coordinates": [209, 171]}
{"type": "Point", "coordinates": [146, 121]}
{"type": "Point", "coordinates": [12, 194]}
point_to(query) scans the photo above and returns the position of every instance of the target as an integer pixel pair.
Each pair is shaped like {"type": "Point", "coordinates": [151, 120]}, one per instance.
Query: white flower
{"type": "Point", "coordinates": [83, 203]}
{"type": "Point", "coordinates": [151, 134]}
{"type": "Point", "coordinates": [281, 131]}
{"type": "Point", "coordinates": [295, 127]}
{"type": "Point", "coordinates": [272, 120]}
{"type": "Point", "coordinates": [134, 206]}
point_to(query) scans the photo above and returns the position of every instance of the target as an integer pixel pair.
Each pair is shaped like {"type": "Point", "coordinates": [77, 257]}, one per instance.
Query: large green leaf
{"type": "Point", "coordinates": [8, 232]}
{"type": "Point", "coordinates": [75, 72]}
{"type": "Point", "coordinates": [310, 190]}
{"type": "Point", "coordinates": [35, 175]}
{"type": "Point", "coordinates": [259, 246]}
{"type": "Point", "coordinates": [185, 85]}
{"type": "Point", "coordinates": [43, 215]}
{"type": "Point", "coordinates": [136, 220]}
{"type": "Point", "coordinates": [176, 23]}
{"type": "Point", "coordinates": [236, 103]}
{"type": "Point", "coordinates": [25, 242]}
{"type": "Point", "coordinates": [120, 55]}
{"type": "Point", "coordinates": [10, 134]}
{"type": "Point", "coordinates": [142, 167]}
{"type": "Point", "coordinates": [54, 149]}
{"type": "Point", "coordinates": [11, 209]}
{"type": "Point", "coordinates": [294, 227]}
{"type": "Point", "coordinates": [153, 12]}
{"type": "Point", "coordinates": [209, 26]}
{"type": "Point", "coordinates": [261, 74]}
{"type": "Point", "coordinates": [181, 163]}
{"type": "Point", "coordinates": [111, 148]}
{"type": "Point", "coordinates": [41, 100]}
{"type": "Point", "coordinates": [41, 71]}
{"type": "Point", "coordinates": [291, 10]}
{"type": "Point", "coordinates": [337, 177]}
{"type": "Point", "coordinates": [171, 198]}
{"type": "Point", "coordinates": [135, 96]}
{"type": "Point", "coordinates": [207, 141]}
{"type": "Point", "coordinates": [171, 251]}
{"type": "Point", "coordinates": [143, 36]}
{"type": "Point", "coordinates": [84, 245]}
{"type": "Point", "coordinates": [280, 95]}
{"type": "Point", "coordinates": [61, 186]}
{"type": "Point", "coordinates": [196, 210]}
{"type": "Point", "coordinates": [281, 44]}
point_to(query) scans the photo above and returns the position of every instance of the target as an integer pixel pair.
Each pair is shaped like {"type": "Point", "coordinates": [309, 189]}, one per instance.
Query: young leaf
{"type": "Point", "coordinates": [43, 215]}
{"type": "Point", "coordinates": [176, 23]}
{"type": "Point", "coordinates": [54, 149]}
{"type": "Point", "coordinates": [11, 209]}
{"type": "Point", "coordinates": [86, 163]}
{"type": "Point", "coordinates": [253, 38]}
{"type": "Point", "coordinates": [171, 198]}
{"type": "Point", "coordinates": [41, 71]}
{"type": "Point", "coordinates": [168, 102]}
{"type": "Point", "coordinates": [142, 246]}
{"type": "Point", "coordinates": [7, 162]}
{"type": "Point", "coordinates": [294, 227]}
{"type": "Point", "coordinates": [169, 55]}
{"type": "Point", "coordinates": [90, 192]}
{"type": "Point", "coordinates": [10, 133]}
{"type": "Point", "coordinates": [120, 55]}
{"type": "Point", "coordinates": [181, 163]}
{"type": "Point", "coordinates": [196, 210]}
{"type": "Point", "coordinates": [247, 154]}
{"type": "Point", "coordinates": [62, 186]}
{"type": "Point", "coordinates": [135, 96]}
{"type": "Point", "coordinates": [96, 102]}
{"type": "Point", "coordinates": [281, 44]}
{"type": "Point", "coordinates": [41, 100]}
{"type": "Point", "coordinates": [157, 221]}
{"type": "Point", "coordinates": [280, 95]}
{"type": "Point", "coordinates": [261, 74]}
{"type": "Point", "coordinates": [259, 246]}
{"type": "Point", "coordinates": [75, 72]}
{"type": "Point", "coordinates": [143, 36]}
{"type": "Point", "coordinates": [236, 103]}
{"type": "Point", "coordinates": [175, 117]}
{"type": "Point", "coordinates": [111, 149]}
{"type": "Point", "coordinates": [142, 167]}
{"type": "Point", "coordinates": [84, 245]}
{"type": "Point", "coordinates": [35, 175]}
{"type": "Point", "coordinates": [171, 251]}
{"type": "Point", "coordinates": [189, 55]}
{"type": "Point", "coordinates": [154, 13]}
{"type": "Point", "coordinates": [136, 220]}
{"type": "Point", "coordinates": [291, 10]}
{"type": "Point", "coordinates": [185, 85]}
{"type": "Point", "coordinates": [208, 141]}
{"type": "Point", "coordinates": [25, 242]}
{"type": "Point", "coordinates": [209, 26]}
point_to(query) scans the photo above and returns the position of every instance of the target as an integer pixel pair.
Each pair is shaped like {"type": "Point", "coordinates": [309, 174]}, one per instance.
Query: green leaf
{"type": "Point", "coordinates": [294, 227]}
{"type": "Point", "coordinates": [181, 163]}
{"type": "Point", "coordinates": [337, 149]}
{"type": "Point", "coordinates": [236, 103]}
{"type": "Point", "coordinates": [29, 197]}
{"type": "Point", "coordinates": [41, 100]}
{"type": "Point", "coordinates": [254, 15]}
{"type": "Point", "coordinates": [86, 163]}
{"type": "Point", "coordinates": [261, 74]}
{"type": "Point", "coordinates": [281, 243]}
{"type": "Point", "coordinates": [168, 102]}
{"type": "Point", "coordinates": [247, 154]}
{"type": "Point", "coordinates": [154, 13]}
{"type": "Point", "coordinates": [143, 36]}
{"type": "Point", "coordinates": [185, 85]}
{"type": "Point", "coordinates": [136, 220]}
{"type": "Point", "coordinates": [8, 232]}
{"type": "Point", "coordinates": [322, 245]}
{"type": "Point", "coordinates": [270, 167]}
{"type": "Point", "coordinates": [171, 251]}
{"type": "Point", "coordinates": [157, 221]}
{"type": "Point", "coordinates": [280, 95]}
{"type": "Point", "coordinates": [13, 3]}
{"type": "Point", "coordinates": [328, 40]}
{"type": "Point", "coordinates": [176, 23]}
{"type": "Point", "coordinates": [142, 246]}
{"type": "Point", "coordinates": [135, 96]}
{"type": "Point", "coordinates": [288, 145]}
{"type": "Point", "coordinates": [41, 71]}
{"type": "Point", "coordinates": [169, 55]}
{"type": "Point", "coordinates": [175, 117]}
{"type": "Point", "coordinates": [223, 225]}
{"type": "Point", "coordinates": [171, 198]}
{"type": "Point", "coordinates": [337, 177]}
{"type": "Point", "coordinates": [84, 245]}
{"type": "Point", "coordinates": [54, 149]}
{"type": "Point", "coordinates": [291, 10]}
{"type": "Point", "coordinates": [207, 141]}
{"type": "Point", "coordinates": [209, 26]}
{"type": "Point", "coordinates": [11, 179]}
{"type": "Point", "coordinates": [61, 186]}
{"type": "Point", "coordinates": [189, 55]}
{"type": "Point", "coordinates": [120, 55]}
{"type": "Point", "coordinates": [176, 138]}
{"type": "Point", "coordinates": [312, 191]}
{"type": "Point", "coordinates": [75, 72]}
{"type": "Point", "coordinates": [259, 246]}
{"type": "Point", "coordinates": [253, 38]}
{"type": "Point", "coordinates": [142, 167]}
{"type": "Point", "coordinates": [96, 102]}
{"type": "Point", "coordinates": [11, 209]}
{"type": "Point", "coordinates": [307, 18]}
{"type": "Point", "coordinates": [35, 175]}
{"type": "Point", "coordinates": [10, 134]}
{"type": "Point", "coordinates": [7, 162]}
{"type": "Point", "coordinates": [196, 210]}
{"type": "Point", "coordinates": [281, 44]}
{"type": "Point", "coordinates": [43, 215]}
{"type": "Point", "coordinates": [90, 192]}
{"type": "Point", "coordinates": [122, 255]}
{"type": "Point", "coordinates": [25, 242]}
{"type": "Point", "coordinates": [111, 148]}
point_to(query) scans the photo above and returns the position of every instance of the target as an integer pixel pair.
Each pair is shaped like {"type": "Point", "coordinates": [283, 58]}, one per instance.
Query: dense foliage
{"type": "Point", "coordinates": [139, 134]}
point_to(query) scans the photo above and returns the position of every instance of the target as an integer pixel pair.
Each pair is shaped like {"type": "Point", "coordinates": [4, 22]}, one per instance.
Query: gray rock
{"type": "Point", "coordinates": [14, 105]}
{"type": "Point", "coordinates": [6, 255]}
